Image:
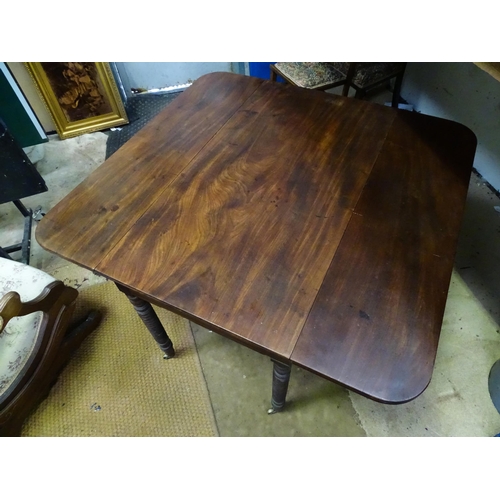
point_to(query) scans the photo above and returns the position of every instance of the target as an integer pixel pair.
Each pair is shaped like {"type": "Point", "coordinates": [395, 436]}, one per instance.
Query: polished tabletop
{"type": "Point", "coordinates": [317, 229]}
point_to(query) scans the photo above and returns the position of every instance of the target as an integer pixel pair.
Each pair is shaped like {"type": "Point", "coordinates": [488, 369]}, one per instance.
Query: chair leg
{"type": "Point", "coordinates": [12, 427]}
{"type": "Point", "coordinates": [360, 94]}
{"type": "Point", "coordinates": [351, 71]}
{"type": "Point", "coordinates": [275, 74]}
{"type": "Point", "coordinates": [4, 254]}
{"type": "Point", "coordinates": [397, 90]}
{"type": "Point", "coordinates": [76, 334]}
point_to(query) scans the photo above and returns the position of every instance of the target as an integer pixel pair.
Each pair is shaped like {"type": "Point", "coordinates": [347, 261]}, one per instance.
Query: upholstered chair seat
{"type": "Point", "coordinates": [36, 339]}
{"type": "Point", "coordinates": [310, 75]}
{"type": "Point", "coordinates": [362, 77]}
{"type": "Point", "coordinates": [18, 339]}
{"type": "Point", "coordinates": [368, 74]}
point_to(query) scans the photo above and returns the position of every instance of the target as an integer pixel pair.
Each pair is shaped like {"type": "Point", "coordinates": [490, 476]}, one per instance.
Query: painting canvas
{"type": "Point", "coordinates": [81, 96]}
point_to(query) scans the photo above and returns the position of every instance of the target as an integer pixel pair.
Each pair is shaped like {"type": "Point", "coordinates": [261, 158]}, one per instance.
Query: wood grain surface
{"type": "Point", "coordinates": [376, 321]}
{"type": "Point", "coordinates": [244, 236]}
{"type": "Point", "coordinates": [314, 228]}
{"type": "Point", "coordinates": [100, 211]}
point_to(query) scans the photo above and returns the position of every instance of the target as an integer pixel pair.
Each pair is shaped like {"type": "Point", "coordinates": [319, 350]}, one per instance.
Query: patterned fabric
{"type": "Point", "coordinates": [310, 75]}
{"type": "Point", "coordinates": [368, 73]}
{"type": "Point", "coordinates": [18, 338]}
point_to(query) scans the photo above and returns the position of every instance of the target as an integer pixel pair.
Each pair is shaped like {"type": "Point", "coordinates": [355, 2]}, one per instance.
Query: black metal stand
{"type": "Point", "coordinates": [19, 179]}
{"type": "Point", "coordinates": [25, 245]}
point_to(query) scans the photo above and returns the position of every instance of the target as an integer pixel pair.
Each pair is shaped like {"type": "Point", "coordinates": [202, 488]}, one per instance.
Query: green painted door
{"type": "Point", "coordinates": [16, 112]}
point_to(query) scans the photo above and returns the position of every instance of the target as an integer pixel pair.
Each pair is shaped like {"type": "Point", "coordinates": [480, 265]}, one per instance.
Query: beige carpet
{"type": "Point", "coordinates": [118, 384]}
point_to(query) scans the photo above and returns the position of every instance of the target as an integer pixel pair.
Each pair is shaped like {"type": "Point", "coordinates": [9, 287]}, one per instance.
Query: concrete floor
{"type": "Point", "coordinates": [456, 403]}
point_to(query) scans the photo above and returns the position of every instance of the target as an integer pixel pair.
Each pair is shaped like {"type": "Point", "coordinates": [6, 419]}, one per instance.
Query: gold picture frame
{"type": "Point", "coordinates": [81, 97]}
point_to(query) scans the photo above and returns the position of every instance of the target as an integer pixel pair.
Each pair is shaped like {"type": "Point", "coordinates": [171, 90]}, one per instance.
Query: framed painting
{"type": "Point", "coordinates": [82, 97]}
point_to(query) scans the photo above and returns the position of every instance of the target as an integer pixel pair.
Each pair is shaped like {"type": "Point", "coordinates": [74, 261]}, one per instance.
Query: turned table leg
{"type": "Point", "coordinates": [148, 315]}
{"type": "Point", "coordinates": [281, 377]}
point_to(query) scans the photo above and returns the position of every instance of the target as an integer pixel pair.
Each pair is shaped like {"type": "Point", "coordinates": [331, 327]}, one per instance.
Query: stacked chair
{"type": "Point", "coordinates": [363, 77]}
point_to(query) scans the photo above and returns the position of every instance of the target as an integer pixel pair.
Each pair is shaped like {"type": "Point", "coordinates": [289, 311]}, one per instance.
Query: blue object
{"type": "Point", "coordinates": [494, 384]}
{"type": "Point", "coordinates": [262, 70]}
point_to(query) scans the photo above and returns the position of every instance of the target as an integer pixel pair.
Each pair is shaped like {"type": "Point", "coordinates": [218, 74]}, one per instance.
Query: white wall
{"type": "Point", "coordinates": [464, 93]}
{"type": "Point", "coordinates": [150, 75]}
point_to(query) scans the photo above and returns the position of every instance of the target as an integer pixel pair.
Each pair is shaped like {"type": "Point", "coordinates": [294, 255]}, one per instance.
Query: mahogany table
{"type": "Point", "coordinates": [316, 229]}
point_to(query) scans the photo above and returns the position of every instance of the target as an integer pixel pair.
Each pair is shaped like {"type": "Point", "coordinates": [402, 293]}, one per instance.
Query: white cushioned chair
{"type": "Point", "coordinates": [35, 338]}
